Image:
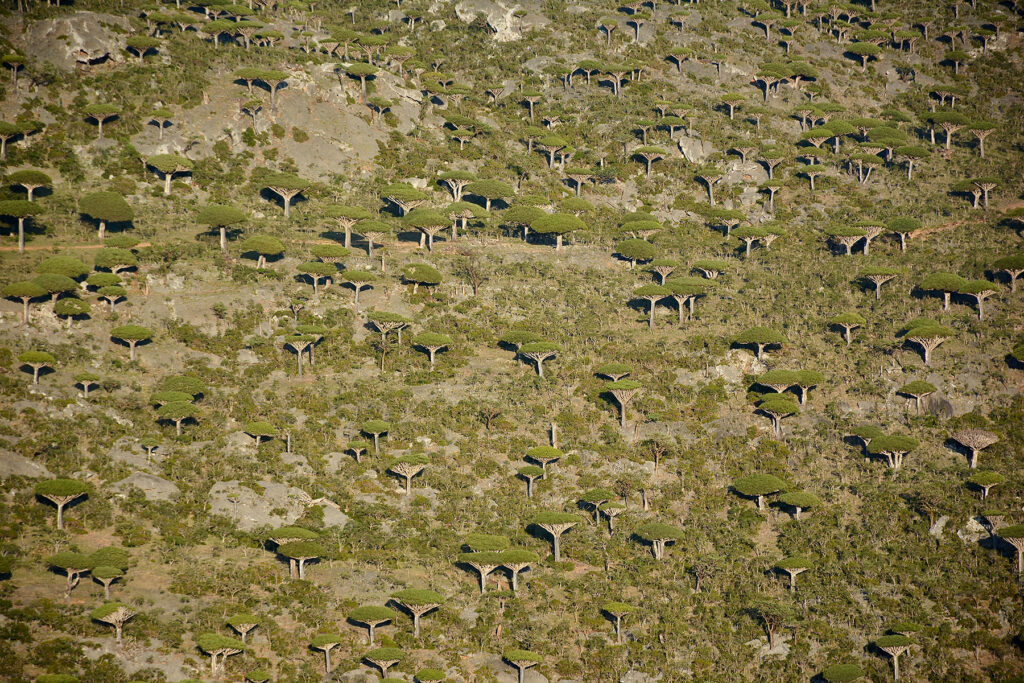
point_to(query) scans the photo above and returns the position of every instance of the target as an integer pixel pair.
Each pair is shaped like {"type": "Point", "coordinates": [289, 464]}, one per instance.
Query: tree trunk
{"type": "Point", "coordinates": [131, 347]}
{"type": "Point", "coordinates": [556, 546]}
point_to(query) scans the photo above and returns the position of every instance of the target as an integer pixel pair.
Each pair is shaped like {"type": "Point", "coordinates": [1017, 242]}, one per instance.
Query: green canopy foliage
{"type": "Point", "coordinates": [106, 206]}
{"type": "Point", "coordinates": [759, 485]}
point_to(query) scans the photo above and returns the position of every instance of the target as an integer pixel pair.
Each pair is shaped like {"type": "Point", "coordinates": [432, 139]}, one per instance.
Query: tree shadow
{"type": "Point", "coordinates": [36, 193]}
{"type": "Point", "coordinates": [160, 125]}
{"type": "Point", "coordinates": [112, 226]}
{"type": "Point", "coordinates": [958, 448]}
{"type": "Point", "coordinates": [276, 199]}
{"type": "Point", "coordinates": [67, 506]}
{"type": "Point", "coordinates": [336, 236]}
{"type": "Point", "coordinates": [263, 85]}
{"type": "Point", "coordinates": [230, 234]}
{"type": "Point", "coordinates": [411, 236]}
{"type": "Point", "coordinates": [270, 258]}
{"type": "Point", "coordinates": [138, 344]}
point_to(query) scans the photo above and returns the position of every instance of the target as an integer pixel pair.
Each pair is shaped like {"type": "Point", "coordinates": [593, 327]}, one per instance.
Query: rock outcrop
{"type": "Point", "coordinates": [268, 503]}
{"type": "Point", "coordinates": [79, 39]}
{"type": "Point", "coordinates": [499, 18]}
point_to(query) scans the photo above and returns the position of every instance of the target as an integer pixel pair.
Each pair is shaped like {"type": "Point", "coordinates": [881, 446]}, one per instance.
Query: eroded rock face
{"type": "Point", "coordinates": [499, 18]}
{"type": "Point", "coordinates": [79, 39]}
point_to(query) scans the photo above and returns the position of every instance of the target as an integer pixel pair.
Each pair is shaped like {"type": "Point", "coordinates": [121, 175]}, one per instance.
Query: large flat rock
{"type": "Point", "coordinates": [268, 503]}
{"type": "Point", "coordinates": [14, 465]}
{"type": "Point", "coordinates": [79, 38]}
{"type": "Point", "coordinates": [152, 486]}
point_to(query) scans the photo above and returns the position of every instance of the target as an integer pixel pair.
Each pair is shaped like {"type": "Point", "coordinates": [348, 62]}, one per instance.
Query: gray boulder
{"type": "Point", "coordinates": [79, 39]}
{"type": "Point", "coordinates": [14, 465]}
{"type": "Point", "coordinates": [268, 503]}
{"type": "Point", "coordinates": [152, 486]}
{"type": "Point", "coordinates": [973, 531]}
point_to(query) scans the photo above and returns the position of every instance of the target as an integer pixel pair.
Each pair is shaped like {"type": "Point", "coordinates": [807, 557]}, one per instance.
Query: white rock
{"type": "Point", "coordinates": [973, 532]}
{"type": "Point", "coordinates": [498, 17]}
